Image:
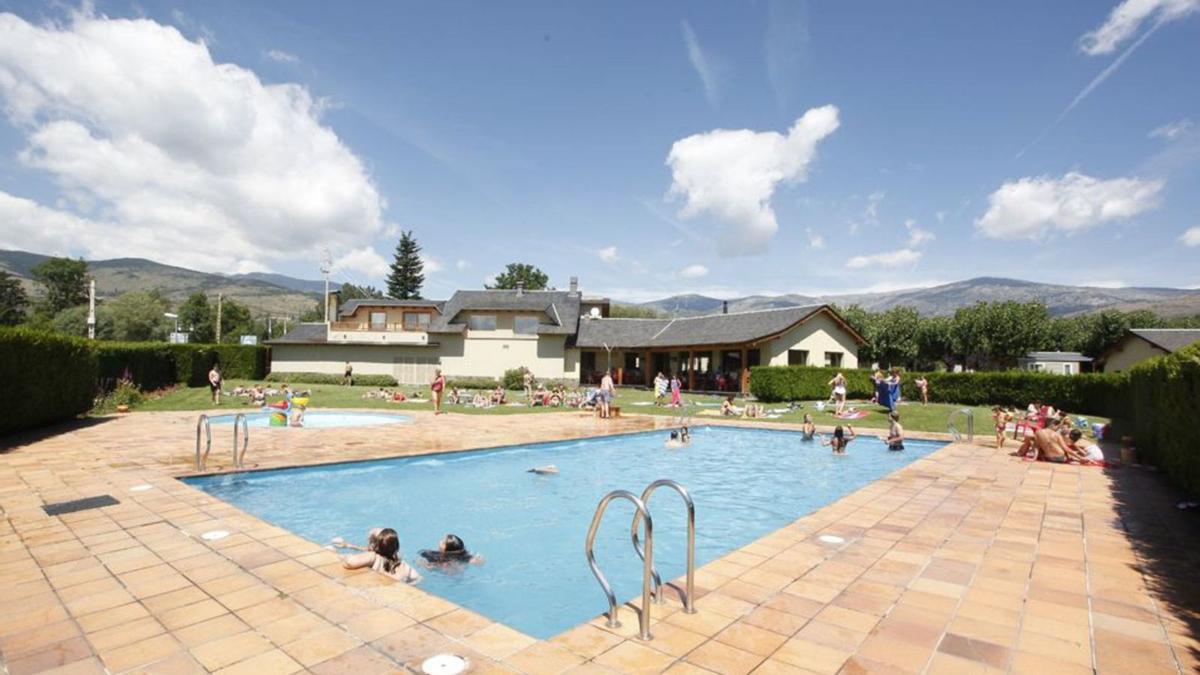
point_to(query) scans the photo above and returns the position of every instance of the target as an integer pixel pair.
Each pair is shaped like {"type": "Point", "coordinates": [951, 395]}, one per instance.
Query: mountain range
{"type": "Point", "coordinates": [283, 295]}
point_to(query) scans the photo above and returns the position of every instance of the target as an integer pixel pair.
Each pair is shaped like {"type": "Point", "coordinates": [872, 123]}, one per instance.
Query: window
{"type": "Point", "coordinates": [1068, 369]}
{"type": "Point", "coordinates": [526, 325]}
{"type": "Point", "coordinates": [797, 357]}
{"type": "Point", "coordinates": [833, 359]}
{"type": "Point", "coordinates": [1039, 367]}
{"type": "Point", "coordinates": [481, 322]}
{"type": "Point", "coordinates": [378, 320]}
{"type": "Point", "coordinates": [416, 321]}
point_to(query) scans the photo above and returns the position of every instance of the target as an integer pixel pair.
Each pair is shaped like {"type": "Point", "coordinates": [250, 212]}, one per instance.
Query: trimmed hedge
{"type": "Point", "coordinates": [1096, 394]}
{"type": "Point", "coordinates": [1162, 389]}
{"type": "Point", "coordinates": [331, 378]}
{"type": "Point", "coordinates": [153, 365]}
{"type": "Point", "coordinates": [47, 378]}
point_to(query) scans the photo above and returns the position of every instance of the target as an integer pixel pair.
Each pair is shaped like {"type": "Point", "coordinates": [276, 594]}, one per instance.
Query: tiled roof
{"type": "Point", "coordinates": [1057, 356]}
{"type": "Point", "coordinates": [350, 306]}
{"type": "Point", "coordinates": [1170, 339]}
{"type": "Point", "coordinates": [715, 329]}
{"type": "Point", "coordinates": [303, 334]}
{"type": "Point", "coordinates": [561, 309]}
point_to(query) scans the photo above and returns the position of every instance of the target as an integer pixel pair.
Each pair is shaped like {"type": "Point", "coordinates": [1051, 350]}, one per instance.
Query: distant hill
{"type": "Point", "coordinates": [945, 299]}
{"type": "Point", "coordinates": [292, 283]}
{"type": "Point", "coordinates": [281, 295]}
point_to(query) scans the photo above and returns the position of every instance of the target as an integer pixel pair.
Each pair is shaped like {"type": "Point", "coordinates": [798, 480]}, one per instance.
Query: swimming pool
{"type": "Point", "coordinates": [531, 528]}
{"type": "Point", "coordinates": [314, 419]}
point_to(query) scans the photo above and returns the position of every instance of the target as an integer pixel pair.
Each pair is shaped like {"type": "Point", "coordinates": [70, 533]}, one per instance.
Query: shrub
{"type": "Point", "coordinates": [513, 379]}
{"type": "Point", "coordinates": [472, 382]}
{"type": "Point", "coordinates": [1162, 391]}
{"type": "Point", "coordinates": [47, 378]}
{"type": "Point", "coordinates": [153, 365]}
{"type": "Point", "coordinates": [1096, 394]}
{"type": "Point", "coordinates": [125, 393]}
{"type": "Point", "coordinates": [331, 378]}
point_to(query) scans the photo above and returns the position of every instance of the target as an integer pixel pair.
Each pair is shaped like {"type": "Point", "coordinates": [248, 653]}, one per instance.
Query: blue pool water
{"type": "Point", "coordinates": [320, 420]}
{"type": "Point", "coordinates": [531, 528]}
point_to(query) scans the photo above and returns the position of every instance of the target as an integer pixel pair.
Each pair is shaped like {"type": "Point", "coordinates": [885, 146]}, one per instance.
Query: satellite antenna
{"type": "Point", "coordinates": [594, 313]}
{"type": "Point", "coordinates": [326, 268]}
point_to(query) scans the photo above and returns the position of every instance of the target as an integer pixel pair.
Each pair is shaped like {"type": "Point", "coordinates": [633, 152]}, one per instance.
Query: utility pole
{"type": "Point", "coordinates": [218, 318]}
{"type": "Point", "coordinates": [270, 333]}
{"type": "Point", "coordinates": [326, 266]}
{"type": "Point", "coordinates": [92, 310]}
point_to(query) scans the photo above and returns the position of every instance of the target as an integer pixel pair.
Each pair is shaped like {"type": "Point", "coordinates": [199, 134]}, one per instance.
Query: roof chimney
{"type": "Point", "coordinates": [574, 288]}
{"type": "Point", "coordinates": [724, 306]}
{"type": "Point", "coordinates": [520, 288]}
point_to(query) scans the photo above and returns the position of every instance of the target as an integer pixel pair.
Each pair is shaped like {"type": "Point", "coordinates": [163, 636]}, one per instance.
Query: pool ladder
{"type": "Point", "coordinates": [953, 429]}
{"type": "Point", "coordinates": [204, 427]}
{"type": "Point", "coordinates": [651, 581]}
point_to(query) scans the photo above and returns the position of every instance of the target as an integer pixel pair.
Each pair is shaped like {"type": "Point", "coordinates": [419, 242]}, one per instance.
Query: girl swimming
{"type": "Point", "coordinates": [451, 551]}
{"type": "Point", "coordinates": [381, 554]}
{"type": "Point", "coordinates": [840, 440]}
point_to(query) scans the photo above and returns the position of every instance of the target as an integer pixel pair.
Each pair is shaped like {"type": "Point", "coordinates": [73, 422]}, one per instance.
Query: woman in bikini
{"type": "Point", "coordinates": [840, 440]}
{"type": "Point", "coordinates": [838, 395]}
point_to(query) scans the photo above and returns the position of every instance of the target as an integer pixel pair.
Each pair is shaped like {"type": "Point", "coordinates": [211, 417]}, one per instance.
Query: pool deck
{"type": "Point", "coordinates": [967, 560]}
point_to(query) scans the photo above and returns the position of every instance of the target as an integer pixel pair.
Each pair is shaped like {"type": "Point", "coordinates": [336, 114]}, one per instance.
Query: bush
{"type": "Point", "coordinates": [1167, 389]}
{"type": "Point", "coordinates": [513, 379]}
{"type": "Point", "coordinates": [153, 365]}
{"type": "Point", "coordinates": [472, 382]}
{"type": "Point", "coordinates": [1096, 394]}
{"type": "Point", "coordinates": [331, 378]}
{"type": "Point", "coordinates": [125, 393]}
{"type": "Point", "coordinates": [47, 378]}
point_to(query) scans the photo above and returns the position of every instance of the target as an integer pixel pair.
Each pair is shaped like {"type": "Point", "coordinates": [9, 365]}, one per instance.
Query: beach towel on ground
{"type": "Point", "coordinates": [852, 415]}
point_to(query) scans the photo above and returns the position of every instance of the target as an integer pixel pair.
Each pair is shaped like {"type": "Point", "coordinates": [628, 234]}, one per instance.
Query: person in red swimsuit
{"type": "Point", "coordinates": [436, 387]}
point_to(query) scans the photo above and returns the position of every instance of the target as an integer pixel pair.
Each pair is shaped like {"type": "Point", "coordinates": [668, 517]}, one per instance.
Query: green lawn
{"type": "Point", "coordinates": [914, 416]}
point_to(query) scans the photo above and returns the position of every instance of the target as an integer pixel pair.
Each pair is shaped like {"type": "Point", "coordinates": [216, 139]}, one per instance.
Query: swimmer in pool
{"type": "Point", "coordinates": [840, 440]}
{"type": "Point", "coordinates": [685, 436]}
{"type": "Point", "coordinates": [381, 554]}
{"type": "Point", "coordinates": [544, 470]}
{"type": "Point", "coordinates": [451, 551]}
{"type": "Point", "coordinates": [674, 441]}
{"type": "Point", "coordinates": [808, 430]}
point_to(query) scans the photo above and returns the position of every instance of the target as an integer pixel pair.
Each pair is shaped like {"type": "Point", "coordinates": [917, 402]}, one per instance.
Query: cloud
{"type": "Point", "coordinates": [904, 256]}
{"type": "Point", "coordinates": [281, 56]}
{"type": "Point", "coordinates": [693, 272]}
{"type": "Point", "coordinates": [160, 152]}
{"type": "Point", "coordinates": [461, 264]}
{"type": "Point", "coordinates": [1190, 236]}
{"type": "Point", "coordinates": [815, 240]}
{"type": "Point", "coordinates": [731, 175]}
{"type": "Point", "coordinates": [431, 265]}
{"type": "Point", "coordinates": [1173, 130]}
{"type": "Point", "coordinates": [784, 47]}
{"type": "Point", "coordinates": [1104, 283]}
{"type": "Point", "coordinates": [704, 68]}
{"type": "Point", "coordinates": [1127, 18]}
{"type": "Point", "coordinates": [363, 262]}
{"type": "Point", "coordinates": [1035, 206]}
{"type": "Point", "coordinates": [608, 254]}
{"type": "Point", "coordinates": [917, 236]}
{"type": "Point", "coordinates": [870, 215]}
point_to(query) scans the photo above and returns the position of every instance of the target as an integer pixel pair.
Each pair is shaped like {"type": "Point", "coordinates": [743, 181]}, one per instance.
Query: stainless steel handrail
{"type": "Point", "coordinates": [202, 423]}
{"type": "Point", "coordinates": [647, 561]}
{"type": "Point", "coordinates": [970, 415]}
{"type": "Point", "coordinates": [690, 594]}
{"type": "Point", "coordinates": [239, 457]}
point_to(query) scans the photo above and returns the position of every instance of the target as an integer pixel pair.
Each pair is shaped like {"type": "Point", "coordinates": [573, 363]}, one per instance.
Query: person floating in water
{"type": "Point", "coordinates": [381, 554]}
{"type": "Point", "coordinates": [544, 470]}
{"type": "Point", "coordinates": [451, 551]}
{"type": "Point", "coordinates": [840, 440]}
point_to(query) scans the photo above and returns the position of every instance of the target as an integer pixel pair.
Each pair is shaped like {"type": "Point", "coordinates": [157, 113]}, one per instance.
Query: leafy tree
{"type": "Point", "coordinates": [622, 311]}
{"type": "Point", "coordinates": [196, 316]}
{"type": "Point", "coordinates": [351, 292]}
{"type": "Point", "coordinates": [314, 315]}
{"type": "Point", "coordinates": [236, 321]}
{"type": "Point", "coordinates": [935, 343]}
{"type": "Point", "coordinates": [65, 281]}
{"type": "Point", "coordinates": [996, 334]}
{"type": "Point", "coordinates": [13, 300]}
{"type": "Point", "coordinates": [73, 321]}
{"type": "Point", "coordinates": [1066, 334]}
{"type": "Point", "coordinates": [408, 270]}
{"type": "Point", "coordinates": [533, 278]}
{"type": "Point", "coordinates": [863, 322]}
{"type": "Point", "coordinates": [894, 336]}
{"type": "Point", "coordinates": [138, 316]}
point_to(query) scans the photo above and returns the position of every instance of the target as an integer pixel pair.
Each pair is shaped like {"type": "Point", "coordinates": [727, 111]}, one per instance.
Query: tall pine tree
{"type": "Point", "coordinates": [407, 275]}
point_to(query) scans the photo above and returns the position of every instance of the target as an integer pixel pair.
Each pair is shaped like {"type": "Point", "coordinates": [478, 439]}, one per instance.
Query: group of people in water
{"type": "Point", "coordinates": [382, 554]}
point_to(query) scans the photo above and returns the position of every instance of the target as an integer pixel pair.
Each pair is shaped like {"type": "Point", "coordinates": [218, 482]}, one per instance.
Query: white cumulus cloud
{"type": "Point", "coordinates": [159, 151]}
{"type": "Point", "coordinates": [281, 56]}
{"type": "Point", "coordinates": [904, 256]}
{"type": "Point", "coordinates": [731, 175]}
{"type": "Point", "coordinates": [693, 271]}
{"type": "Point", "coordinates": [363, 263]}
{"type": "Point", "coordinates": [431, 265]}
{"type": "Point", "coordinates": [608, 254]}
{"type": "Point", "coordinates": [916, 235]}
{"type": "Point", "coordinates": [1190, 236]}
{"type": "Point", "coordinates": [1035, 206]}
{"type": "Point", "coordinates": [1172, 130]}
{"type": "Point", "coordinates": [1126, 18]}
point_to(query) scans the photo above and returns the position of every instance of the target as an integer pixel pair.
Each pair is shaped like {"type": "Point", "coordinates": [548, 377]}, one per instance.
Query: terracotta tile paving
{"type": "Point", "coordinates": [966, 561]}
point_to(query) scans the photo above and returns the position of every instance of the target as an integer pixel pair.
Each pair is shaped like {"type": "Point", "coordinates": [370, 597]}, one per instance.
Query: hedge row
{"type": "Point", "coordinates": [1096, 394]}
{"type": "Point", "coordinates": [46, 378]}
{"type": "Point", "coordinates": [330, 378]}
{"type": "Point", "coordinates": [1164, 395]}
{"type": "Point", "coordinates": [153, 365]}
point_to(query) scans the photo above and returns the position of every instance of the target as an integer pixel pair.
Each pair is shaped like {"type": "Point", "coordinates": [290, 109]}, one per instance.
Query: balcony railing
{"type": "Point", "coordinates": [374, 327]}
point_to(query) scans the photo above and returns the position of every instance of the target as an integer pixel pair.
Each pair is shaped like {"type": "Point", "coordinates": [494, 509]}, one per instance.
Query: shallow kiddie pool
{"type": "Point", "coordinates": [315, 419]}
{"type": "Point", "coordinates": [531, 528]}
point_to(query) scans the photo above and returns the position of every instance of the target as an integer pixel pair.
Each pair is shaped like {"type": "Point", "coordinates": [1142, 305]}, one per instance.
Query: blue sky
{"type": "Point", "coordinates": [648, 148]}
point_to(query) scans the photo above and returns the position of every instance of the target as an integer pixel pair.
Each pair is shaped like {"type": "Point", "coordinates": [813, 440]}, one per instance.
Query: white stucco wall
{"type": "Point", "coordinates": [818, 335]}
{"type": "Point", "coordinates": [490, 353]}
{"type": "Point", "coordinates": [1053, 367]}
{"type": "Point", "coordinates": [1131, 351]}
{"type": "Point", "coordinates": [366, 359]}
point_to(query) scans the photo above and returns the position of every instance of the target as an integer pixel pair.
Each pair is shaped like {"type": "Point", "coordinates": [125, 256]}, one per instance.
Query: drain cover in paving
{"type": "Point", "coordinates": [79, 505]}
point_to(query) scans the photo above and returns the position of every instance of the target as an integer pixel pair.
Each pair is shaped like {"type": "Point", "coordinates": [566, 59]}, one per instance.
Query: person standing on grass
{"type": "Point", "coordinates": [348, 377]}
{"type": "Point", "coordinates": [606, 394]}
{"type": "Point", "coordinates": [527, 379]}
{"type": "Point", "coordinates": [660, 388]}
{"type": "Point", "coordinates": [436, 387]}
{"type": "Point", "coordinates": [676, 400]}
{"type": "Point", "coordinates": [214, 383]}
{"type": "Point", "coordinates": [923, 388]}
